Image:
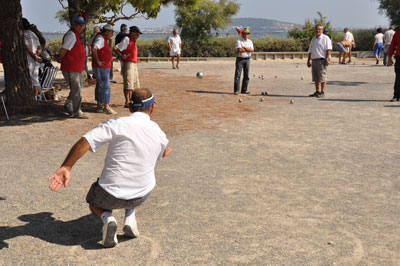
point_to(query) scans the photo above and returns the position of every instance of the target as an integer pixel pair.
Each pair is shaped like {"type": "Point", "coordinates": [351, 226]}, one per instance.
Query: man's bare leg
{"type": "Point", "coordinates": [318, 86]}
{"type": "Point", "coordinates": [128, 95]}
{"type": "Point", "coordinates": [97, 211]}
{"type": "Point", "coordinates": [323, 86]}
{"type": "Point", "coordinates": [177, 60]}
{"type": "Point", "coordinates": [173, 63]}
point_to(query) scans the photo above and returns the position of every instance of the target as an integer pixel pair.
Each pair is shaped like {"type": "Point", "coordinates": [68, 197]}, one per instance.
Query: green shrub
{"type": "Point", "coordinates": [54, 45]}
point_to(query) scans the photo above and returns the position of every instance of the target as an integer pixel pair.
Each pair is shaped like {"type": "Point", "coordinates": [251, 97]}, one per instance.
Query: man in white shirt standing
{"type": "Point", "coordinates": [348, 36]}
{"type": "Point", "coordinates": [244, 48]}
{"type": "Point", "coordinates": [135, 144]}
{"type": "Point", "coordinates": [319, 56]}
{"type": "Point", "coordinates": [387, 40]}
{"type": "Point", "coordinates": [175, 47]}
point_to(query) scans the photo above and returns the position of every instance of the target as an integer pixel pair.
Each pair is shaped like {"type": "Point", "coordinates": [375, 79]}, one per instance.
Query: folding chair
{"type": "Point", "coordinates": [47, 79]}
{"type": "Point", "coordinates": [3, 96]}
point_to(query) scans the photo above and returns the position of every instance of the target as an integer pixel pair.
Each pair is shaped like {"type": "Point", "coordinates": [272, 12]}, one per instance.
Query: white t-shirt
{"type": "Point", "coordinates": [123, 44]}
{"type": "Point", "coordinates": [32, 41]}
{"type": "Point", "coordinates": [379, 38]}
{"type": "Point", "coordinates": [388, 36]}
{"type": "Point", "coordinates": [99, 41]}
{"type": "Point", "coordinates": [69, 40]}
{"type": "Point", "coordinates": [175, 43]}
{"type": "Point", "coordinates": [135, 144]}
{"type": "Point", "coordinates": [241, 43]}
{"type": "Point", "coordinates": [349, 36]}
{"type": "Point", "coordinates": [319, 46]}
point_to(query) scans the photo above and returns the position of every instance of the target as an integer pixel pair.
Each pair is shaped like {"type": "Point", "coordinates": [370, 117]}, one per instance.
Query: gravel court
{"type": "Point", "coordinates": [308, 183]}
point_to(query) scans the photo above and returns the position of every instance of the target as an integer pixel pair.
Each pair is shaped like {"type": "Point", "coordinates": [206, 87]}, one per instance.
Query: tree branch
{"type": "Point", "coordinates": [62, 4]}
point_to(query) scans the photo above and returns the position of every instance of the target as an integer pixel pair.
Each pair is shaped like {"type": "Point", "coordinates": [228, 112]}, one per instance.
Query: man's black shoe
{"type": "Point", "coordinates": [394, 99]}
{"type": "Point", "coordinates": [314, 94]}
{"type": "Point", "coordinates": [321, 95]}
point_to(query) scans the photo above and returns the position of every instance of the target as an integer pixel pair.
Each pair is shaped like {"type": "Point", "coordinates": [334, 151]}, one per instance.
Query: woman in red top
{"type": "Point", "coordinates": [101, 64]}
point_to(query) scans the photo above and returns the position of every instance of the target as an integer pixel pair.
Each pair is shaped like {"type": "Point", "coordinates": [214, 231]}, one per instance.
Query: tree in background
{"type": "Point", "coordinates": [308, 31]}
{"type": "Point", "coordinates": [96, 10]}
{"type": "Point", "coordinates": [197, 21]}
{"type": "Point", "coordinates": [392, 10]}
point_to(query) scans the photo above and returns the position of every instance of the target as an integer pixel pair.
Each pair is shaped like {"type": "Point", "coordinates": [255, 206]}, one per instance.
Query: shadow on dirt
{"type": "Point", "coordinates": [84, 231]}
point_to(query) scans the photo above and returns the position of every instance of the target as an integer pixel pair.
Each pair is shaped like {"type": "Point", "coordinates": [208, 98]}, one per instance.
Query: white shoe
{"type": "Point", "coordinates": [110, 233]}
{"type": "Point", "coordinates": [130, 226]}
{"type": "Point", "coordinates": [110, 111]}
{"type": "Point", "coordinates": [99, 109]}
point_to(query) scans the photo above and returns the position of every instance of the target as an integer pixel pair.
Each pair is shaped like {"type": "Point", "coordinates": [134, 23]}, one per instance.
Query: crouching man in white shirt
{"type": "Point", "coordinates": [135, 144]}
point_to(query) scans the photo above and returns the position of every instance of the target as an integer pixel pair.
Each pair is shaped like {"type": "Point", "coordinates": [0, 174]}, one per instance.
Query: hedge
{"type": "Point", "coordinates": [225, 46]}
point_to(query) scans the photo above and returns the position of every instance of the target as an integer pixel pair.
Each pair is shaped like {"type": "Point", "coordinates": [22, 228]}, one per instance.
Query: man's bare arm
{"type": "Point", "coordinates": [63, 175]}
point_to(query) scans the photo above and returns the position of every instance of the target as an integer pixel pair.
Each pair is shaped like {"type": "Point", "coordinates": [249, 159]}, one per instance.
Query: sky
{"type": "Point", "coordinates": [341, 13]}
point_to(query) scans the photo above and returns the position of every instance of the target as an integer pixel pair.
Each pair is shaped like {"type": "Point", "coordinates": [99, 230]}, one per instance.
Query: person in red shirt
{"type": "Point", "coordinates": [395, 46]}
{"type": "Point", "coordinates": [72, 58]}
{"type": "Point", "coordinates": [127, 51]}
{"type": "Point", "coordinates": [101, 64]}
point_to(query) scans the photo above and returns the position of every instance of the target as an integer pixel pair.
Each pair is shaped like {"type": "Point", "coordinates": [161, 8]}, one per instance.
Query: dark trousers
{"type": "Point", "coordinates": [397, 82]}
{"type": "Point", "coordinates": [242, 63]}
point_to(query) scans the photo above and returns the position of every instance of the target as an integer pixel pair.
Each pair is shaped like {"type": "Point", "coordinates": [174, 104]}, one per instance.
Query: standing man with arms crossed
{"type": "Point", "coordinates": [135, 144]}
{"type": "Point", "coordinates": [175, 47]}
{"type": "Point", "coordinates": [72, 58]}
{"type": "Point", "coordinates": [244, 48]}
{"type": "Point", "coordinates": [127, 51]}
{"type": "Point", "coordinates": [395, 46]}
{"type": "Point", "coordinates": [319, 56]}
{"type": "Point", "coordinates": [101, 63]}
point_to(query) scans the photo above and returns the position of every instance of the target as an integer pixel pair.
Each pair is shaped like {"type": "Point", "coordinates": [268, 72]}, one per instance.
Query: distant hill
{"type": "Point", "coordinates": [260, 26]}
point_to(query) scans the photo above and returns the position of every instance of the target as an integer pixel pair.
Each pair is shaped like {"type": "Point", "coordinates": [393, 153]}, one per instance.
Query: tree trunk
{"type": "Point", "coordinates": [18, 84]}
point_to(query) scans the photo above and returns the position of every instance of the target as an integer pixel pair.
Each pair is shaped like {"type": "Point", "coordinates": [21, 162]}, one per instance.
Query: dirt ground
{"type": "Point", "coordinates": [312, 182]}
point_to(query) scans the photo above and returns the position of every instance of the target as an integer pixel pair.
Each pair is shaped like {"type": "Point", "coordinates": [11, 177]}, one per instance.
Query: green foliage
{"type": "Point", "coordinates": [217, 47]}
{"type": "Point", "coordinates": [99, 11]}
{"type": "Point", "coordinates": [196, 22]}
{"type": "Point", "coordinates": [54, 45]}
{"type": "Point", "coordinates": [308, 31]}
{"type": "Point", "coordinates": [391, 8]}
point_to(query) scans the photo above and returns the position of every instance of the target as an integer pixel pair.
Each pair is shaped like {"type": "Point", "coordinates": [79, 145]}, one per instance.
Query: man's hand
{"type": "Point", "coordinates": [308, 63]}
{"type": "Point", "coordinates": [390, 62]}
{"type": "Point", "coordinates": [327, 61]}
{"type": "Point", "coordinates": [166, 152]}
{"type": "Point", "coordinates": [59, 178]}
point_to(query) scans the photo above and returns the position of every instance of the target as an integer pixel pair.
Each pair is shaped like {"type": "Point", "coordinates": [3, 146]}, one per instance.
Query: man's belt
{"type": "Point", "coordinates": [319, 58]}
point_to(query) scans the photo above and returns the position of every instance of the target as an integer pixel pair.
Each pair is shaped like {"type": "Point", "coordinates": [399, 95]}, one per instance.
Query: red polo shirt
{"type": "Point", "coordinates": [395, 45]}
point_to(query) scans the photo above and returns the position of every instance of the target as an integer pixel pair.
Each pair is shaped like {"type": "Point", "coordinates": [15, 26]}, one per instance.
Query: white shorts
{"type": "Point", "coordinates": [174, 53]}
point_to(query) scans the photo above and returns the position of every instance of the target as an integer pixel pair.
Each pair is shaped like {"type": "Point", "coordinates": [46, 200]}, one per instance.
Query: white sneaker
{"type": "Point", "coordinates": [130, 226]}
{"type": "Point", "coordinates": [109, 111]}
{"type": "Point", "coordinates": [110, 233]}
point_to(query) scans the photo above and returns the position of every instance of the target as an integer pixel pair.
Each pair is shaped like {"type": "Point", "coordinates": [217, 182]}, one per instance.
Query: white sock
{"type": "Point", "coordinates": [129, 212]}
{"type": "Point", "coordinates": [105, 215]}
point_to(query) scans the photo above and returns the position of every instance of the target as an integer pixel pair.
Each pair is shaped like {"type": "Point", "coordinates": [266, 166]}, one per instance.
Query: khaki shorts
{"type": "Point", "coordinates": [319, 70]}
{"type": "Point", "coordinates": [130, 75]}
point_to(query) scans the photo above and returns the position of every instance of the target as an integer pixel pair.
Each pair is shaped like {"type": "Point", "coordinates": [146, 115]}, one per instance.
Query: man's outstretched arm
{"type": "Point", "coordinates": [63, 174]}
